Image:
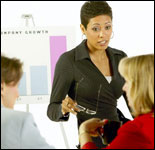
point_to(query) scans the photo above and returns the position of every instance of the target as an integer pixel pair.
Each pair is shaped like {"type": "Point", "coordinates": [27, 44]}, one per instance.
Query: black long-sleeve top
{"type": "Point", "coordinates": [75, 66]}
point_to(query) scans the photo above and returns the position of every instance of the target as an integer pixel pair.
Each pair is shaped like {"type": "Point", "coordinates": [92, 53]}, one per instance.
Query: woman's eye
{"type": "Point", "coordinates": [107, 27]}
{"type": "Point", "coordinates": [95, 29]}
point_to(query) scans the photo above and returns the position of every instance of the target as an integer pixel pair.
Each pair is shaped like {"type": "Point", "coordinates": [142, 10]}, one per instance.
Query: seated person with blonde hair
{"type": "Point", "coordinates": [138, 73]}
{"type": "Point", "coordinates": [18, 129]}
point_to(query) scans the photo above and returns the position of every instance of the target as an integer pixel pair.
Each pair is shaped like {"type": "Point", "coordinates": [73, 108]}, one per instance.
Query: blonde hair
{"type": "Point", "coordinates": [139, 72]}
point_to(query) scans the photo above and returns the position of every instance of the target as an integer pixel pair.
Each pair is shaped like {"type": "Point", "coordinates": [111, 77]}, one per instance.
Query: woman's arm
{"type": "Point", "coordinates": [63, 79]}
{"type": "Point", "coordinates": [89, 128]}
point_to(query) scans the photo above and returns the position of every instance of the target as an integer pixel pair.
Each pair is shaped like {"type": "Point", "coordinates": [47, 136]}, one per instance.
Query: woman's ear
{"type": "Point", "coordinates": [82, 28]}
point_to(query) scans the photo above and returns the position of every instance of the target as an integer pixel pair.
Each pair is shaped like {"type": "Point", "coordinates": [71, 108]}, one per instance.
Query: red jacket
{"type": "Point", "coordinates": [136, 134]}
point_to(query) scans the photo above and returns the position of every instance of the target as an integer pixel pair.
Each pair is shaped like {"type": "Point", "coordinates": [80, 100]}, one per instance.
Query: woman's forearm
{"type": "Point", "coordinates": [84, 137]}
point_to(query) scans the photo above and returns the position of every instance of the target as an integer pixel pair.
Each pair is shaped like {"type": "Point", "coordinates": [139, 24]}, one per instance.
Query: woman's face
{"type": "Point", "coordinates": [9, 94]}
{"type": "Point", "coordinates": [98, 32]}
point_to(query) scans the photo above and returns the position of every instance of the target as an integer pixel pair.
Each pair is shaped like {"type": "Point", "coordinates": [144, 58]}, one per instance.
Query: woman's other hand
{"type": "Point", "coordinates": [91, 126]}
{"type": "Point", "coordinates": [68, 105]}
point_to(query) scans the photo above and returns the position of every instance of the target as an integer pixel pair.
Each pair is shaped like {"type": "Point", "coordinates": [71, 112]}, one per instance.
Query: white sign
{"type": "Point", "coordinates": [39, 49]}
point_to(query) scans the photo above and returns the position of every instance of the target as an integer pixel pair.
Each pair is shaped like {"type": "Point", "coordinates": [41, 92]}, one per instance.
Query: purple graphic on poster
{"type": "Point", "coordinates": [58, 45]}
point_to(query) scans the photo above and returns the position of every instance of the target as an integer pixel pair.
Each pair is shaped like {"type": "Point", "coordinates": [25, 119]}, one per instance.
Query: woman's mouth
{"type": "Point", "coordinates": [102, 43]}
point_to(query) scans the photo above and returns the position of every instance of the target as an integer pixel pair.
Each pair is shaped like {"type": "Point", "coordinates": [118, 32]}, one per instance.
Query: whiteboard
{"type": "Point", "coordinates": [38, 48]}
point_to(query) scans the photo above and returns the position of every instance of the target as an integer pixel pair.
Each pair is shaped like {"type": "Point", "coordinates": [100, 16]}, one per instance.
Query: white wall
{"type": "Point", "coordinates": [133, 25]}
{"type": "Point", "coordinates": [133, 21]}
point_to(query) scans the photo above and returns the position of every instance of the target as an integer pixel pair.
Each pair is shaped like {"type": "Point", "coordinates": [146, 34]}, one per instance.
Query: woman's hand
{"type": "Point", "coordinates": [68, 105]}
{"type": "Point", "coordinates": [91, 126]}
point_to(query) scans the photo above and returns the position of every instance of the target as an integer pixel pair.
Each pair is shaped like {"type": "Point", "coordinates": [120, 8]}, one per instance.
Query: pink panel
{"type": "Point", "coordinates": [58, 46]}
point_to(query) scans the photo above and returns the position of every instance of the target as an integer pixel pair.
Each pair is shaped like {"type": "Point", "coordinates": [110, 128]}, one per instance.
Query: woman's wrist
{"type": "Point", "coordinates": [84, 137]}
{"type": "Point", "coordinates": [63, 111]}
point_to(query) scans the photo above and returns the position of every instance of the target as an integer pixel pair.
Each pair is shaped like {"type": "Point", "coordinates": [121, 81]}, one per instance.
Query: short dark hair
{"type": "Point", "coordinates": [11, 70]}
{"type": "Point", "coordinates": [92, 9]}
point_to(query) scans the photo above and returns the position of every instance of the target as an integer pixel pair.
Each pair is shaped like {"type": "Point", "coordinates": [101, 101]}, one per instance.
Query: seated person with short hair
{"type": "Point", "coordinates": [18, 129]}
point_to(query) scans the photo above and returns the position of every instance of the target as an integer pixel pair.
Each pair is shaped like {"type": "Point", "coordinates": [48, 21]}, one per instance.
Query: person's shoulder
{"type": "Point", "coordinates": [13, 122]}
{"type": "Point", "coordinates": [15, 112]}
{"type": "Point", "coordinates": [14, 115]}
{"type": "Point", "coordinates": [117, 51]}
{"type": "Point", "coordinates": [131, 132]}
{"type": "Point", "coordinates": [138, 123]}
{"type": "Point", "coordinates": [137, 131]}
{"type": "Point", "coordinates": [131, 127]}
{"type": "Point", "coordinates": [145, 121]}
{"type": "Point", "coordinates": [68, 55]}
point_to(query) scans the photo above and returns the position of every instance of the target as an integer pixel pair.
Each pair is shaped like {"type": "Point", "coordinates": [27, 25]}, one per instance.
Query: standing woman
{"type": "Point", "coordinates": [86, 81]}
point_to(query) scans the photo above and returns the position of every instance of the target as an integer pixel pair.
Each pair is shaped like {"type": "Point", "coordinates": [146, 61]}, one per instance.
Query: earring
{"type": "Point", "coordinates": [112, 35]}
{"type": "Point", "coordinates": [83, 36]}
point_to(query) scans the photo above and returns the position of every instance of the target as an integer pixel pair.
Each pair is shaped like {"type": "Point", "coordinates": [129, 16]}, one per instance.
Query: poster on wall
{"type": "Point", "coordinates": [38, 48]}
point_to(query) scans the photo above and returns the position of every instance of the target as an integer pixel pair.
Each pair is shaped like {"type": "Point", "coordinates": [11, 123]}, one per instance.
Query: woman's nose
{"type": "Point", "coordinates": [102, 33]}
{"type": "Point", "coordinates": [124, 87]}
